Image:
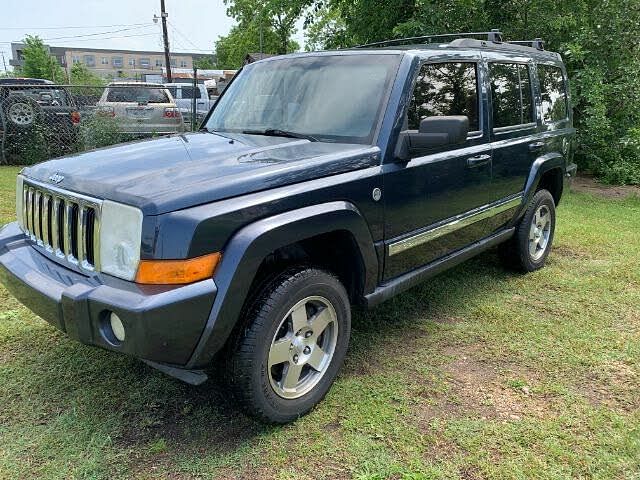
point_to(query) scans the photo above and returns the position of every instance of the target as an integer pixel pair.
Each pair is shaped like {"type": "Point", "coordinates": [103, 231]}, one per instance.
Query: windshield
{"type": "Point", "coordinates": [331, 97]}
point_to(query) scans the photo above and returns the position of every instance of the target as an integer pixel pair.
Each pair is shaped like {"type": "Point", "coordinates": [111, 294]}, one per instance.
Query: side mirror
{"type": "Point", "coordinates": [434, 132]}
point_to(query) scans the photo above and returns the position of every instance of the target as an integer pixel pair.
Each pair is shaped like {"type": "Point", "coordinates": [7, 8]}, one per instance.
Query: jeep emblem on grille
{"type": "Point", "coordinates": [56, 178]}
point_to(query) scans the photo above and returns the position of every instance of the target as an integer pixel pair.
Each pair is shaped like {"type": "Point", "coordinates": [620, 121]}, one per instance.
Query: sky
{"type": "Point", "coordinates": [194, 25]}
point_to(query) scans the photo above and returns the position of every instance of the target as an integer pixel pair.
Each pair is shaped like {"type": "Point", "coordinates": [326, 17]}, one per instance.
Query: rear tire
{"type": "Point", "coordinates": [294, 343]}
{"type": "Point", "coordinates": [529, 247]}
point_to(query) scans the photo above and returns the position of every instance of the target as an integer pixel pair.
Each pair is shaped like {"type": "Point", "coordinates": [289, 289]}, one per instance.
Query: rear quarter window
{"type": "Point", "coordinates": [553, 92]}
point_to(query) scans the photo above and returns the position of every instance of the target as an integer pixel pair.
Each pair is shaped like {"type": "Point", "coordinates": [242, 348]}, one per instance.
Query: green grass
{"type": "Point", "coordinates": [479, 373]}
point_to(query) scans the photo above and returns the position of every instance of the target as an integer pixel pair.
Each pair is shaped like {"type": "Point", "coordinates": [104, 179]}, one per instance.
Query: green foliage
{"type": "Point", "coordinates": [206, 63]}
{"type": "Point", "coordinates": [81, 75]}
{"type": "Point", "coordinates": [280, 16]}
{"type": "Point", "coordinates": [38, 63]}
{"type": "Point", "coordinates": [100, 131]}
{"type": "Point", "coordinates": [232, 49]}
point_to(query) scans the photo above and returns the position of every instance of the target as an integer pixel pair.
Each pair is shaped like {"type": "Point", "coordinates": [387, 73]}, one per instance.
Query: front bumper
{"type": "Point", "coordinates": [162, 323]}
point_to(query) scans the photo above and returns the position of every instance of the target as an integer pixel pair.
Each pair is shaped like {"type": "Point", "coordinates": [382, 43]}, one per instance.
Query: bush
{"type": "Point", "coordinates": [100, 131]}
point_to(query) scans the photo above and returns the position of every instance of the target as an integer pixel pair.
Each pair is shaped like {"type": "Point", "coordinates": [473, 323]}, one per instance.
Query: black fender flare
{"type": "Point", "coordinates": [249, 246]}
{"type": "Point", "coordinates": [541, 165]}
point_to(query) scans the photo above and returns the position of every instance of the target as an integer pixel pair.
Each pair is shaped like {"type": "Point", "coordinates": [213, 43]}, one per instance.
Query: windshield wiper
{"type": "Point", "coordinates": [276, 132]}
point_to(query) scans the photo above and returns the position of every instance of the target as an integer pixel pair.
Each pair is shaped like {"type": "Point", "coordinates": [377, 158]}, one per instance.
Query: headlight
{"type": "Point", "coordinates": [120, 236]}
{"type": "Point", "coordinates": [19, 199]}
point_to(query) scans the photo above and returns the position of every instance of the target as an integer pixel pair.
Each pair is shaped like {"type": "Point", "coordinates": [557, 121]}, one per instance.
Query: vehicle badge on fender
{"type": "Point", "coordinates": [56, 178]}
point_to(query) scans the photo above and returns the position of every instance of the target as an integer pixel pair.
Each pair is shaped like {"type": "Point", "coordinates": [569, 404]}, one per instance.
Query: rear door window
{"type": "Point", "coordinates": [445, 89]}
{"type": "Point", "coordinates": [511, 94]}
{"type": "Point", "coordinates": [553, 93]}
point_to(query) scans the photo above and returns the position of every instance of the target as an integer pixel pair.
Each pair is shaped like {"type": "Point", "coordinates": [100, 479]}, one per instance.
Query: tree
{"type": "Point", "coordinates": [38, 63]}
{"type": "Point", "coordinates": [232, 49]}
{"type": "Point", "coordinates": [326, 30]}
{"type": "Point", "coordinates": [280, 16]}
{"type": "Point", "coordinates": [81, 75]}
{"type": "Point", "coordinates": [206, 63]}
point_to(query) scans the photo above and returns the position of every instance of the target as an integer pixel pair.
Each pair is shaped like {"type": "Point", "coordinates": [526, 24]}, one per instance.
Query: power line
{"type": "Point", "coordinates": [185, 37]}
{"type": "Point", "coordinates": [85, 27]}
{"type": "Point", "coordinates": [96, 34]}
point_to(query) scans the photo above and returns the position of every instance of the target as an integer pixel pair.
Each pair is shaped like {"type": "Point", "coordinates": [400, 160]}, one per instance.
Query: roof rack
{"type": "Point", "coordinates": [493, 36]}
{"type": "Point", "coordinates": [536, 43]}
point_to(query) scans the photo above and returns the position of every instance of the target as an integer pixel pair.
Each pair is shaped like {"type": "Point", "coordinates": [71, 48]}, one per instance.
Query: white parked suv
{"type": "Point", "coordinates": [183, 94]}
{"type": "Point", "coordinates": [141, 108]}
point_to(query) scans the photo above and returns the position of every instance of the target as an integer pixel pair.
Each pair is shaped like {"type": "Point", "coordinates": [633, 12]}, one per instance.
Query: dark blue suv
{"type": "Point", "coordinates": [318, 181]}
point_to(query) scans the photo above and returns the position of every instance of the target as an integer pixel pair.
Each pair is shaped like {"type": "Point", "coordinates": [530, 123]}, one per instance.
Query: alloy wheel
{"type": "Point", "coordinates": [539, 232]}
{"type": "Point", "coordinates": [302, 347]}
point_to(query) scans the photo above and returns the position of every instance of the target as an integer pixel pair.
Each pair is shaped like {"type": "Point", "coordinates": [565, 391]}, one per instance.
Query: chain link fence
{"type": "Point", "coordinates": [42, 120]}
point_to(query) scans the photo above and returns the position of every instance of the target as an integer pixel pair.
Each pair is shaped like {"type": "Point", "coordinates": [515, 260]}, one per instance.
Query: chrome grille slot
{"type": "Point", "coordinates": [64, 224]}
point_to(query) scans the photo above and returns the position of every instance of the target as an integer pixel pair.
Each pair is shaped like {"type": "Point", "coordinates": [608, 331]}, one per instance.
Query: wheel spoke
{"type": "Point", "coordinates": [279, 352]}
{"type": "Point", "coordinates": [532, 233]}
{"type": "Point", "coordinates": [533, 247]}
{"type": "Point", "coordinates": [292, 376]}
{"type": "Point", "coordinates": [316, 358]}
{"type": "Point", "coordinates": [299, 318]}
{"type": "Point", "coordinates": [545, 219]}
{"type": "Point", "coordinates": [320, 321]}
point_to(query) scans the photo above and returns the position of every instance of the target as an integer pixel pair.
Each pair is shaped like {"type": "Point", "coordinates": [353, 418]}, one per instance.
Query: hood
{"type": "Point", "coordinates": [181, 171]}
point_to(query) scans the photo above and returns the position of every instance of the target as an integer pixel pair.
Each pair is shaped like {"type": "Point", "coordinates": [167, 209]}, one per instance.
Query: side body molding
{"type": "Point", "coordinates": [251, 244]}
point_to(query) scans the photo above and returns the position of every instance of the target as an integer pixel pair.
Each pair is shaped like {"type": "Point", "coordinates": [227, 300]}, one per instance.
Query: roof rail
{"type": "Point", "coordinates": [493, 36]}
{"type": "Point", "coordinates": [536, 43]}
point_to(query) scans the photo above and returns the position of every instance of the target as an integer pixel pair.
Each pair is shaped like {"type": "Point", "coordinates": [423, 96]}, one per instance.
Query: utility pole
{"type": "Point", "coordinates": [4, 63]}
{"type": "Point", "coordinates": [165, 36]}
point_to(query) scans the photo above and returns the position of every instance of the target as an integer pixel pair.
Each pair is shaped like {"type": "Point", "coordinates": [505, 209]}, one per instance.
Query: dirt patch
{"type": "Point", "coordinates": [486, 390]}
{"type": "Point", "coordinates": [571, 252]}
{"type": "Point", "coordinates": [586, 184]}
{"type": "Point", "coordinates": [614, 385]}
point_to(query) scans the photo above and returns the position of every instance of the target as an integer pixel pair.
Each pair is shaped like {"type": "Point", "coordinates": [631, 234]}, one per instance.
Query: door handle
{"type": "Point", "coordinates": [478, 161]}
{"type": "Point", "coordinates": [536, 146]}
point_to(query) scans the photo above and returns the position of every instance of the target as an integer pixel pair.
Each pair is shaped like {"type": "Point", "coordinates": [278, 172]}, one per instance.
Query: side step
{"type": "Point", "coordinates": [417, 276]}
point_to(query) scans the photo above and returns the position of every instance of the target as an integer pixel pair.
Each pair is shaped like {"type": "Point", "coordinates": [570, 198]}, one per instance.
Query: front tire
{"type": "Point", "coordinates": [529, 248]}
{"type": "Point", "coordinates": [295, 340]}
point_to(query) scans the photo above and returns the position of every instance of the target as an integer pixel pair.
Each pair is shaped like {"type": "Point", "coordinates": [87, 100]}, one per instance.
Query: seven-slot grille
{"type": "Point", "coordinates": [63, 223]}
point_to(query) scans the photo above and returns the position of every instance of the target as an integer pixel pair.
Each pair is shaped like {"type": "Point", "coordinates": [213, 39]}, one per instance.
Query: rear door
{"type": "Point", "coordinates": [430, 201]}
{"type": "Point", "coordinates": [514, 125]}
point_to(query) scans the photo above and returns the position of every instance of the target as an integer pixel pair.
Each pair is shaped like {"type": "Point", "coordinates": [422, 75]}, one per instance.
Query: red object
{"type": "Point", "coordinates": [171, 112]}
{"type": "Point", "coordinates": [75, 118]}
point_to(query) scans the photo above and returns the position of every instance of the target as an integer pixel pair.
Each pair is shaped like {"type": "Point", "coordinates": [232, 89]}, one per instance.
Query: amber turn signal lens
{"type": "Point", "coordinates": [175, 272]}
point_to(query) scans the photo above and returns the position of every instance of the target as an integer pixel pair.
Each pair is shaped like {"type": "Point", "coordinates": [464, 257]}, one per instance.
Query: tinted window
{"type": "Point", "coordinates": [137, 95]}
{"type": "Point", "coordinates": [553, 92]}
{"type": "Point", "coordinates": [511, 92]}
{"type": "Point", "coordinates": [331, 97]}
{"type": "Point", "coordinates": [187, 92]}
{"type": "Point", "coordinates": [445, 89]}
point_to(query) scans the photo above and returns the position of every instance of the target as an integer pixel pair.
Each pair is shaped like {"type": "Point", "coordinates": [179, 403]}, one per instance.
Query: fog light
{"type": "Point", "coordinates": [117, 327]}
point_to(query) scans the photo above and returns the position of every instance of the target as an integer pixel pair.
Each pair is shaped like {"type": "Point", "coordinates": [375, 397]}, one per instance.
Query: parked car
{"type": "Point", "coordinates": [141, 108]}
{"type": "Point", "coordinates": [28, 105]}
{"type": "Point", "coordinates": [184, 93]}
{"type": "Point", "coordinates": [320, 181]}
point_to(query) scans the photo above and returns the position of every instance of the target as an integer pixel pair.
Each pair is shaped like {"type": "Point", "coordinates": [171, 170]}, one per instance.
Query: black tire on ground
{"type": "Point", "coordinates": [529, 248]}
{"type": "Point", "coordinates": [253, 379]}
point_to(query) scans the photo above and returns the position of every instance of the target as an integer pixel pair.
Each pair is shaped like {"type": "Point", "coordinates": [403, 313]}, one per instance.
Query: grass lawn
{"type": "Point", "coordinates": [479, 373]}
